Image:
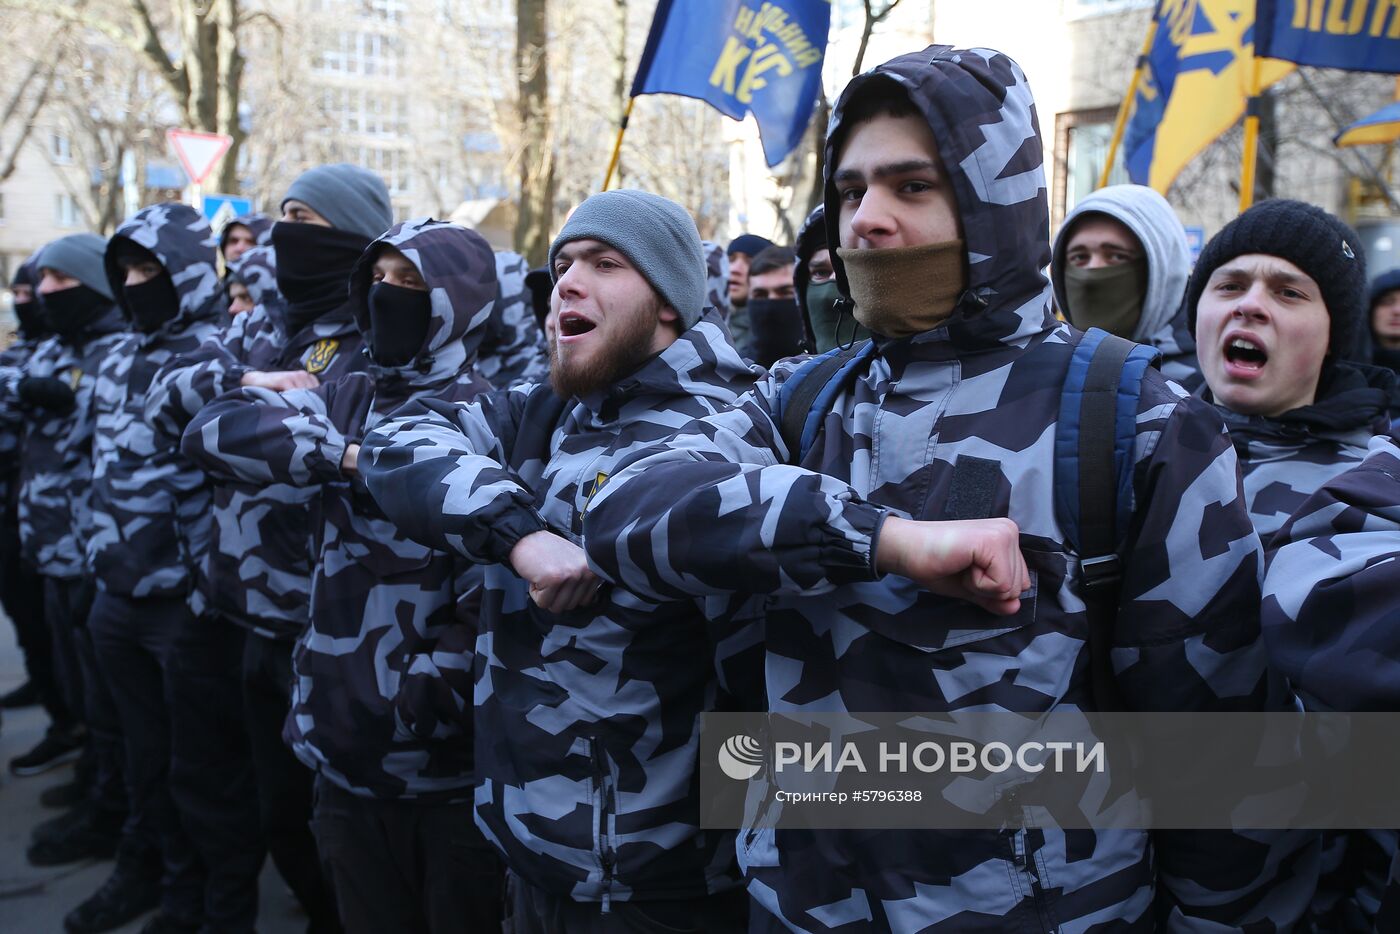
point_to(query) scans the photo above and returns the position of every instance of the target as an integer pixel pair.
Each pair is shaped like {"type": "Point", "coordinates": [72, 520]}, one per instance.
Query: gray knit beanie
{"type": "Point", "coordinates": [79, 256]}
{"type": "Point", "coordinates": [350, 197]}
{"type": "Point", "coordinates": [655, 234]}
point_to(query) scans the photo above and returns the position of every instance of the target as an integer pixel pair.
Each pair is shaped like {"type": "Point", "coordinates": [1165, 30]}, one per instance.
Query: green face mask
{"type": "Point", "coordinates": [1109, 297]}
{"type": "Point", "coordinates": [829, 328]}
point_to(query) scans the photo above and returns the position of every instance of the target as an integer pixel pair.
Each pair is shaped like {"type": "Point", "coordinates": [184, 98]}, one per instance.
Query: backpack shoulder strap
{"type": "Point", "coordinates": [806, 394]}
{"type": "Point", "coordinates": [1094, 446]}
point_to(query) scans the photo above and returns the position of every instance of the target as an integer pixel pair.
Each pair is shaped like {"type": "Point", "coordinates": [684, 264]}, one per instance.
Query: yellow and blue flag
{"type": "Point", "coordinates": [741, 56]}
{"type": "Point", "coordinates": [1383, 126]}
{"type": "Point", "coordinates": [1357, 35]}
{"type": "Point", "coordinates": [1194, 85]}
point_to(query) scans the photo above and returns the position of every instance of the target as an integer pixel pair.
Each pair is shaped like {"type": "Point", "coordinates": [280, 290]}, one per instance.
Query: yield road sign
{"type": "Point", "coordinates": [198, 152]}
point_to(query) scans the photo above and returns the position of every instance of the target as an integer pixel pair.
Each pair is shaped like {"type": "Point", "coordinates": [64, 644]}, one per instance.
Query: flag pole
{"type": "Point", "coordinates": [1251, 137]}
{"type": "Point", "coordinates": [1121, 122]}
{"type": "Point", "coordinates": [617, 147]}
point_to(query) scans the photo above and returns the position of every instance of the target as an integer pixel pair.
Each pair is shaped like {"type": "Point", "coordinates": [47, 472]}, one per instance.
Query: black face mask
{"type": "Point", "coordinates": [152, 303]}
{"type": "Point", "coordinates": [398, 323]}
{"type": "Point", "coordinates": [68, 311]}
{"type": "Point", "coordinates": [313, 268]}
{"type": "Point", "coordinates": [775, 329]}
{"type": "Point", "coordinates": [31, 320]}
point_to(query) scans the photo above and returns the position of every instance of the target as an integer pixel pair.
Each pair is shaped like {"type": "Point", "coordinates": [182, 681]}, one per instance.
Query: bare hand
{"type": "Point", "coordinates": [557, 571]}
{"type": "Point", "coordinates": [281, 380]}
{"type": "Point", "coordinates": [350, 460]}
{"type": "Point", "coordinates": [978, 560]}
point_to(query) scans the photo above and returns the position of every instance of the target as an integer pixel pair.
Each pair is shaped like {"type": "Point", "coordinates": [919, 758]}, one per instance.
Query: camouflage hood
{"type": "Point", "coordinates": [259, 224]}
{"type": "Point", "coordinates": [257, 270]}
{"type": "Point", "coordinates": [979, 106]}
{"type": "Point", "coordinates": [460, 271]}
{"type": "Point", "coordinates": [180, 238]}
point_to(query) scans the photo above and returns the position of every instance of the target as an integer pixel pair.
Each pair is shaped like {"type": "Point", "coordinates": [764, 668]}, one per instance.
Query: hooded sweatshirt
{"type": "Point", "coordinates": [55, 467]}
{"type": "Point", "coordinates": [377, 596]}
{"type": "Point", "coordinates": [257, 270]}
{"type": "Point", "coordinates": [586, 721]}
{"type": "Point", "coordinates": [258, 566]}
{"type": "Point", "coordinates": [149, 528]}
{"type": "Point", "coordinates": [260, 225]}
{"type": "Point", "coordinates": [513, 349]}
{"type": "Point", "coordinates": [1286, 459]}
{"type": "Point", "coordinates": [720, 507]}
{"type": "Point", "coordinates": [1156, 226]}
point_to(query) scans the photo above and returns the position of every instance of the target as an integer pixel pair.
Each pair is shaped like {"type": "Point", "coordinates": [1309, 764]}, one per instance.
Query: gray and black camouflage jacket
{"type": "Point", "coordinates": [513, 350]}
{"type": "Point", "coordinates": [587, 725]}
{"type": "Point", "coordinates": [720, 508]}
{"type": "Point", "coordinates": [1286, 459]}
{"type": "Point", "coordinates": [55, 462]}
{"type": "Point", "coordinates": [258, 566]}
{"type": "Point", "coordinates": [148, 531]}
{"type": "Point", "coordinates": [378, 598]}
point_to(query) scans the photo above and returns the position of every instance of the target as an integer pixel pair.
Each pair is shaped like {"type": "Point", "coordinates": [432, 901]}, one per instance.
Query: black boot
{"type": "Point", "coordinates": [130, 891]}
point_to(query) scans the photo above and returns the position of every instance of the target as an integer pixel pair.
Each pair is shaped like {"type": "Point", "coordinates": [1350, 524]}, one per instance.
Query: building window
{"type": "Point", "coordinates": [60, 148]}
{"type": "Point", "coordinates": [65, 211]}
{"type": "Point", "coordinates": [1081, 145]}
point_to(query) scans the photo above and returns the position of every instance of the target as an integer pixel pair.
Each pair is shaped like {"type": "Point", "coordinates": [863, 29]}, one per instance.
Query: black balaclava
{"type": "Point", "coordinates": [775, 329]}
{"type": "Point", "coordinates": [152, 303]}
{"type": "Point", "coordinates": [29, 314]}
{"type": "Point", "coordinates": [398, 323]}
{"type": "Point", "coordinates": [68, 311]}
{"type": "Point", "coordinates": [313, 268]}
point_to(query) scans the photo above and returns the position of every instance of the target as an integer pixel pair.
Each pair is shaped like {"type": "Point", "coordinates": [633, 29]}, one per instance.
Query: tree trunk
{"type": "Point", "coordinates": [620, 72]}
{"type": "Point", "coordinates": [536, 215]}
{"type": "Point", "coordinates": [821, 116]}
{"type": "Point", "coordinates": [230, 85]}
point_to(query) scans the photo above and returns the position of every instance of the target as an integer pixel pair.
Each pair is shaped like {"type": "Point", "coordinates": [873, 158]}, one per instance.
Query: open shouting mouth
{"type": "Point", "coordinates": [1245, 355]}
{"type": "Point", "coordinates": [574, 325]}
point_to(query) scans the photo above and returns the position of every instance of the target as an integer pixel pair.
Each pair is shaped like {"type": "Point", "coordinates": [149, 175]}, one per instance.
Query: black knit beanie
{"type": "Point", "coordinates": [1308, 237]}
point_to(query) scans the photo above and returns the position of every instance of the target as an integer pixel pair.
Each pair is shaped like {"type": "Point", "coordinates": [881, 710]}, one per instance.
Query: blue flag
{"type": "Point", "coordinates": [741, 56]}
{"type": "Point", "coordinates": [1362, 35]}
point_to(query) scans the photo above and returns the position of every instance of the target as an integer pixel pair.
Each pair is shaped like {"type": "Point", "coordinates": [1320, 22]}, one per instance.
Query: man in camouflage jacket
{"type": "Point", "coordinates": [934, 159]}
{"type": "Point", "coordinates": [259, 561]}
{"type": "Point", "coordinates": [393, 802]}
{"type": "Point", "coordinates": [1332, 627]}
{"type": "Point", "coordinates": [586, 703]}
{"type": "Point", "coordinates": [145, 538]}
{"type": "Point", "coordinates": [51, 391]}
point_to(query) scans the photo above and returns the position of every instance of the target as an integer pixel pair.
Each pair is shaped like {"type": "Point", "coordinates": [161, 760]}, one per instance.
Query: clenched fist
{"type": "Point", "coordinates": [978, 560]}
{"type": "Point", "coordinates": [557, 571]}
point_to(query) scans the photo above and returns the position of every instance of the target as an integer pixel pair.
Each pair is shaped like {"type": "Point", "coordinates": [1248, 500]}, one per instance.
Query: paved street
{"type": "Point", "coordinates": [35, 900]}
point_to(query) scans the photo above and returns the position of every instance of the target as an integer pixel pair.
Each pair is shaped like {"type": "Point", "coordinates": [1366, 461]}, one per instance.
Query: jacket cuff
{"type": "Point", "coordinates": [848, 555]}
{"type": "Point", "coordinates": [510, 527]}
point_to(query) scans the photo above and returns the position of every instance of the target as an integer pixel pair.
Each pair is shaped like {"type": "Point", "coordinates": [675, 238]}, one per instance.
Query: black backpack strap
{"type": "Point", "coordinates": [1100, 566]}
{"type": "Point", "coordinates": [807, 383]}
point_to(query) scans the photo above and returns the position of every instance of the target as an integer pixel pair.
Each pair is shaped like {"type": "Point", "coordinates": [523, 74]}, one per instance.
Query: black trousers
{"type": "Point", "coordinates": [135, 639]}
{"type": "Point", "coordinates": [284, 785]}
{"type": "Point", "coordinates": [211, 770]}
{"type": "Point", "coordinates": [404, 866]}
{"type": "Point", "coordinates": [22, 596]}
{"type": "Point", "coordinates": [535, 911]}
{"type": "Point", "coordinates": [67, 607]}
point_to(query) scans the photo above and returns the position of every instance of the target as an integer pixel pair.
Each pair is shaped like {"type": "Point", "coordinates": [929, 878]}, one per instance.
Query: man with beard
{"type": "Point", "coordinates": [258, 568]}
{"type": "Point", "coordinates": [53, 389]}
{"type": "Point", "coordinates": [393, 813]}
{"type": "Point", "coordinates": [582, 695]}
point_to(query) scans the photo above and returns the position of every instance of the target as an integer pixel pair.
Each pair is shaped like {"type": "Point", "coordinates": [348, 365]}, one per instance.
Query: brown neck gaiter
{"type": "Point", "coordinates": [905, 290]}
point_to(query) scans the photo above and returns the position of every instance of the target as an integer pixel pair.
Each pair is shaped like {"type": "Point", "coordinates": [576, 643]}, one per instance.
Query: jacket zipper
{"type": "Point", "coordinates": [603, 788]}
